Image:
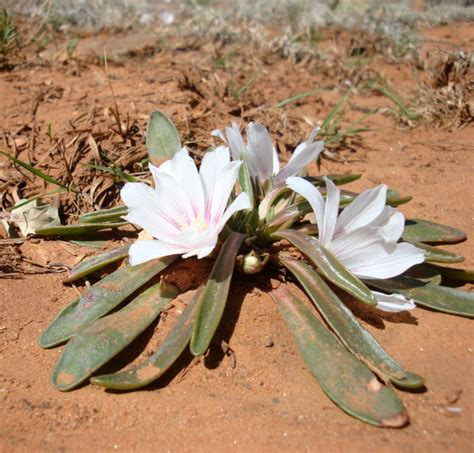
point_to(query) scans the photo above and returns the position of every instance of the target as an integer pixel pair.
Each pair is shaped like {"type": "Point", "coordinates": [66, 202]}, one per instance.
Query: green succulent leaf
{"type": "Point", "coordinates": [393, 198]}
{"type": "Point", "coordinates": [97, 343]}
{"type": "Point", "coordinates": [426, 273]}
{"type": "Point", "coordinates": [328, 265]}
{"type": "Point", "coordinates": [104, 215]}
{"type": "Point", "coordinates": [436, 255]}
{"type": "Point", "coordinates": [417, 230]}
{"type": "Point", "coordinates": [289, 215]}
{"type": "Point", "coordinates": [100, 299]}
{"type": "Point", "coordinates": [214, 296]}
{"type": "Point", "coordinates": [154, 367]}
{"type": "Point", "coordinates": [162, 138]}
{"type": "Point", "coordinates": [438, 298]}
{"type": "Point", "coordinates": [461, 275]}
{"type": "Point", "coordinates": [337, 179]}
{"type": "Point", "coordinates": [347, 381]}
{"type": "Point", "coordinates": [349, 331]}
{"type": "Point", "coordinates": [96, 263]}
{"type": "Point", "coordinates": [77, 229]}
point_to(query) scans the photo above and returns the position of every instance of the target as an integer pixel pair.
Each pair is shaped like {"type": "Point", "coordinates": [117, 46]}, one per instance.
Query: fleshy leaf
{"type": "Point", "coordinates": [461, 275]}
{"type": "Point", "coordinates": [393, 198]}
{"type": "Point", "coordinates": [345, 325]}
{"type": "Point", "coordinates": [96, 262]}
{"type": "Point", "coordinates": [77, 229]}
{"type": "Point", "coordinates": [169, 351]}
{"type": "Point", "coordinates": [348, 382]}
{"type": "Point", "coordinates": [100, 299]}
{"type": "Point", "coordinates": [162, 138]}
{"type": "Point", "coordinates": [436, 255]}
{"type": "Point", "coordinates": [214, 296]}
{"type": "Point", "coordinates": [104, 215]}
{"type": "Point", "coordinates": [438, 298]}
{"type": "Point", "coordinates": [417, 230]}
{"type": "Point", "coordinates": [289, 215]}
{"type": "Point", "coordinates": [328, 265]}
{"type": "Point", "coordinates": [337, 179]}
{"type": "Point", "coordinates": [97, 343]}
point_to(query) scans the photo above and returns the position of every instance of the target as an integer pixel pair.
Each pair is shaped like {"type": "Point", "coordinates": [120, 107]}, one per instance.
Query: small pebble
{"type": "Point", "coordinates": [269, 343]}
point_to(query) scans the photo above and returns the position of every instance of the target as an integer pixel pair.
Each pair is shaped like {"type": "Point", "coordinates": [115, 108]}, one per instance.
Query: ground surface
{"type": "Point", "coordinates": [268, 401]}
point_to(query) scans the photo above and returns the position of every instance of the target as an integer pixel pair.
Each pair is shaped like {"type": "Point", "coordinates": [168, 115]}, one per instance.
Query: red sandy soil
{"type": "Point", "coordinates": [261, 397]}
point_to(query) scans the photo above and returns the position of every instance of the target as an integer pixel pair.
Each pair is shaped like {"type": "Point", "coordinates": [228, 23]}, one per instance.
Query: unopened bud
{"type": "Point", "coordinates": [251, 263]}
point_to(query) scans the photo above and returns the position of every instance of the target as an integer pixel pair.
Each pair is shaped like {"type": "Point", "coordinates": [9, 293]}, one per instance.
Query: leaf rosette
{"type": "Point", "coordinates": [245, 212]}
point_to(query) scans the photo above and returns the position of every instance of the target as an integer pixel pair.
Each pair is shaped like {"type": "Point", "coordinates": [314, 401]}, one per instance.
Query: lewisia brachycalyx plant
{"type": "Point", "coordinates": [245, 212]}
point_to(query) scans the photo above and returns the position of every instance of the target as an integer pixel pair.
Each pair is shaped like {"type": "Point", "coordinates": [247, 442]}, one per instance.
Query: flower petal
{"type": "Point", "coordinates": [302, 156]}
{"type": "Point", "coordinates": [218, 133]}
{"type": "Point", "coordinates": [331, 210]}
{"type": "Point", "coordinates": [260, 152]}
{"type": "Point", "coordinates": [350, 248]}
{"type": "Point", "coordinates": [143, 251]}
{"type": "Point", "coordinates": [393, 303]}
{"type": "Point", "coordinates": [183, 170]}
{"type": "Point", "coordinates": [362, 211]}
{"type": "Point", "coordinates": [311, 193]}
{"type": "Point", "coordinates": [241, 202]}
{"type": "Point", "coordinates": [235, 140]}
{"type": "Point", "coordinates": [218, 176]}
{"type": "Point", "coordinates": [382, 260]}
{"type": "Point", "coordinates": [393, 229]}
{"type": "Point", "coordinates": [146, 211]}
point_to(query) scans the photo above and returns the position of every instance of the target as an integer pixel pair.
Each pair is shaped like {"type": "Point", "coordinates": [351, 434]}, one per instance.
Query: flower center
{"type": "Point", "coordinates": [198, 224]}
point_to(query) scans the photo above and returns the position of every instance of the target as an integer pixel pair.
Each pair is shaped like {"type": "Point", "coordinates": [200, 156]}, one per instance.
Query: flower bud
{"type": "Point", "coordinates": [251, 263]}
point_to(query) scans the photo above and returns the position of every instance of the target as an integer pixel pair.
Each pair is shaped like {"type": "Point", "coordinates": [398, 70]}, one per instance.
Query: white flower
{"type": "Point", "coordinates": [364, 236]}
{"type": "Point", "coordinates": [261, 156]}
{"type": "Point", "coordinates": [187, 209]}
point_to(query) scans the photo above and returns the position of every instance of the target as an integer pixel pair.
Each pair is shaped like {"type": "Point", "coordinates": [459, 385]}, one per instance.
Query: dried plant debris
{"type": "Point", "coordinates": [81, 165]}
{"type": "Point", "coordinates": [446, 99]}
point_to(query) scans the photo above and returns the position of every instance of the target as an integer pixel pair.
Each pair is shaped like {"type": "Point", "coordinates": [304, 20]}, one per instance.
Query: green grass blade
{"type": "Point", "coordinates": [438, 298]}
{"type": "Point", "coordinates": [328, 266]}
{"type": "Point", "coordinates": [348, 329]}
{"type": "Point", "coordinates": [214, 296]}
{"type": "Point", "coordinates": [436, 255]}
{"type": "Point", "coordinates": [117, 172]}
{"type": "Point", "coordinates": [297, 97]}
{"type": "Point", "coordinates": [95, 263]}
{"type": "Point", "coordinates": [417, 230]}
{"type": "Point", "coordinates": [162, 138]}
{"type": "Point", "coordinates": [391, 94]}
{"type": "Point", "coordinates": [100, 299]}
{"type": "Point", "coordinates": [97, 343]}
{"type": "Point", "coordinates": [247, 84]}
{"type": "Point", "coordinates": [326, 125]}
{"type": "Point", "coordinates": [77, 229]}
{"type": "Point", "coordinates": [347, 381]}
{"type": "Point", "coordinates": [104, 215]}
{"type": "Point", "coordinates": [35, 171]}
{"type": "Point", "coordinates": [154, 367]}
